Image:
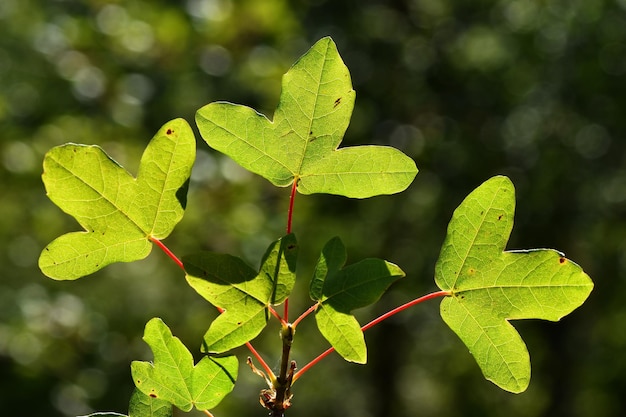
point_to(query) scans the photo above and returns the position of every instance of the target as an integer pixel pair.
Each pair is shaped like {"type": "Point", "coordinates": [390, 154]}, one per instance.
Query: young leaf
{"type": "Point", "coordinates": [142, 405]}
{"type": "Point", "coordinates": [300, 144]}
{"type": "Point", "coordinates": [174, 378]}
{"type": "Point", "coordinates": [339, 291]}
{"type": "Point", "coordinates": [119, 213]}
{"type": "Point", "coordinates": [489, 287]}
{"type": "Point", "coordinates": [243, 294]}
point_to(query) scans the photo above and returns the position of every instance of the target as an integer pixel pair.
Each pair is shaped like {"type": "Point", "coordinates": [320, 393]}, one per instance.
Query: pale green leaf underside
{"type": "Point", "coordinates": [118, 212]}
{"type": "Point", "coordinates": [230, 284]}
{"type": "Point", "coordinates": [174, 378]}
{"type": "Point", "coordinates": [489, 286]}
{"type": "Point", "coordinates": [142, 405]}
{"type": "Point", "coordinates": [301, 143]}
{"type": "Point", "coordinates": [340, 291]}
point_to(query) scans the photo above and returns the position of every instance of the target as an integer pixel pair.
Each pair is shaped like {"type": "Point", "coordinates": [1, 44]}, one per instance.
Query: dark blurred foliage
{"type": "Point", "coordinates": [531, 89]}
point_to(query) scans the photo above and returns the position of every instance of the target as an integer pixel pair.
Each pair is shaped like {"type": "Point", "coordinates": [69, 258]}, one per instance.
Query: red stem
{"type": "Point", "coordinates": [168, 252]}
{"type": "Point", "coordinates": [306, 313]}
{"type": "Point", "coordinates": [264, 364]}
{"type": "Point", "coordinates": [292, 198]}
{"type": "Point", "coordinates": [286, 311]}
{"type": "Point", "coordinates": [371, 324]}
{"type": "Point", "coordinates": [275, 314]}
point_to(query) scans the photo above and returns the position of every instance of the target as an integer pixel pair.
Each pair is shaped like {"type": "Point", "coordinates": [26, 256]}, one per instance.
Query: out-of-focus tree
{"type": "Point", "coordinates": [469, 89]}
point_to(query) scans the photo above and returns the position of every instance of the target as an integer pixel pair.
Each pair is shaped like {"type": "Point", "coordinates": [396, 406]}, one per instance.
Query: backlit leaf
{"type": "Point", "coordinates": [340, 290]}
{"type": "Point", "coordinates": [174, 378]}
{"type": "Point", "coordinates": [119, 213]}
{"type": "Point", "coordinates": [489, 287]}
{"type": "Point", "coordinates": [301, 143]}
{"type": "Point", "coordinates": [243, 294]}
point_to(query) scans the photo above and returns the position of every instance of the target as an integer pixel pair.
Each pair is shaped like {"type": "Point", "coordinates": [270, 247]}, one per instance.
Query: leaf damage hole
{"type": "Point", "coordinates": [169, 131]}
{"type": "Point", "coordinates": [500, 217]}
{"type": "Point", "coordinates": [337, 102]}
{"type": "Point", "coordinates": [562, 260]}
{"type": "Point", "coordinates": [152, 395]}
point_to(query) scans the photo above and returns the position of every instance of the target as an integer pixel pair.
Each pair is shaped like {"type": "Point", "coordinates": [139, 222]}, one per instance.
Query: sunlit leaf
{"type": "Point", "coordinates": [174, 378]}
{"type": "Point", "coordinates": [243, 294]}
{"type": "Point", "coordinates": [340, 290]}
{"type": "Point", "coordinates": [301, 143]}
{"type": "Point", "coordinates": [489, 286]}
{"type": "Point", "coordinates": [119, 213]}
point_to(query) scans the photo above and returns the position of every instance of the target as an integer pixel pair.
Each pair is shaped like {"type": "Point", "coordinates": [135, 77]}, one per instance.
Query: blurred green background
{"type": "Point", "coordinates": [535, 90]}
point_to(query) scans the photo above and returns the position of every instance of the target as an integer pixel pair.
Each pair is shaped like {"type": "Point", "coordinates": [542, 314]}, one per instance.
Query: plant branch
{"type": "Point", "coordinates": [167, 252]}
{"type": "Point", "coordinates": [371, 324]}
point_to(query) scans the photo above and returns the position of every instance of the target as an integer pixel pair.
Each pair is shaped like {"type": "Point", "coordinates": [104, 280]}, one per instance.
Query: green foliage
{"type": "Point", "coordinates": [483, 286]}
{"type": "Point", "coordinates": [340, 290]}
{"type": "Point", "coordinates": [300, 144]}
{"type": "Point", "coordinates": [244, 295]}
{"type": "Point", "coordinates": [174, 378]}
{"type": "Point", "coordinates": [119, 213]}
{"type": "Point", "coordinates": [489, 287]}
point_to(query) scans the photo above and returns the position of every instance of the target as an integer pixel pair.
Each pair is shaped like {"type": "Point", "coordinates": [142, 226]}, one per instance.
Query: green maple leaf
{"type": "Point", "coordinates": [300, 144]}
{"type": "Point", "coordinates": [174, 378]}
{"type": "Point", "coordinates": [488, 286]}
{"type": "Point", "coordinates": [119, 213]}
{"type": "Point", "coordinates": [340, 290]}
{"type": "Point", "coordinates": [242, 293]}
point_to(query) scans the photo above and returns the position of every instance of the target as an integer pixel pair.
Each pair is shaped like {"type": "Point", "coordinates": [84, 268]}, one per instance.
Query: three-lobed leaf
{"type": "Point", "coordinates": [119, 213]}
{"type": "Point", "coordinates": [174, 378]}
{"type": "Point", "coordinates": [488, 286]}
{"type": "Point", "coordinates": [243, 294]}
{"type": "Point", "coordinates": [340, 290]}
{"type": "Point", "coordinates": [300, 144]}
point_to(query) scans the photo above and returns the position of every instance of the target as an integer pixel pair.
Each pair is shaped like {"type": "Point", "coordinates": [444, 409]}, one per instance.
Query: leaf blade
{"type": "Point", "coordinates": [340, 290]}
{"type": "Point", "coordinates": [118, 212]}
{"type": "Point", "coordinates": [173, 377]}
{"type": "Point", "coordinates": [301, 143]}
{"type": "Point", "coordinates": [489, 286]}
{"type": "Point", "coordinates": [242, 294]}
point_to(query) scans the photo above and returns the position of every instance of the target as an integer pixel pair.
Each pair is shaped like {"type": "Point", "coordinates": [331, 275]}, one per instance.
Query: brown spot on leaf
{"type": "Point", "coordinates": [152, 395]}
{"type": "Point", "coordinates": [169, 131]}
{"type": "Point", "coordinates": [562, 260]}
{"type": "Point", "coordinates": [500, 217]}
{"type": "Point", "coordinates": [337, 102]}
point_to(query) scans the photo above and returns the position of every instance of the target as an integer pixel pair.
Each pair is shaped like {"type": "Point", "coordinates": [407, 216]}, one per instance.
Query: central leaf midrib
{"type": "Point", "coordinates": [176, 365]}
{"type": "Point", "coordinates": [478, 229]}
{"type": "Point", "coordinates": [319, 85]}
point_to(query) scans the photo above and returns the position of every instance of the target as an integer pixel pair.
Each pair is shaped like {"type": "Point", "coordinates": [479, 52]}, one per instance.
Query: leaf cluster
{"type": "Point", "coordinates": [483, 286]}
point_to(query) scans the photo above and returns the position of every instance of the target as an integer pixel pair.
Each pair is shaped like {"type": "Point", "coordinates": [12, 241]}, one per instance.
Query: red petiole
{"type": "Point", "coordinates": [369, 325]}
